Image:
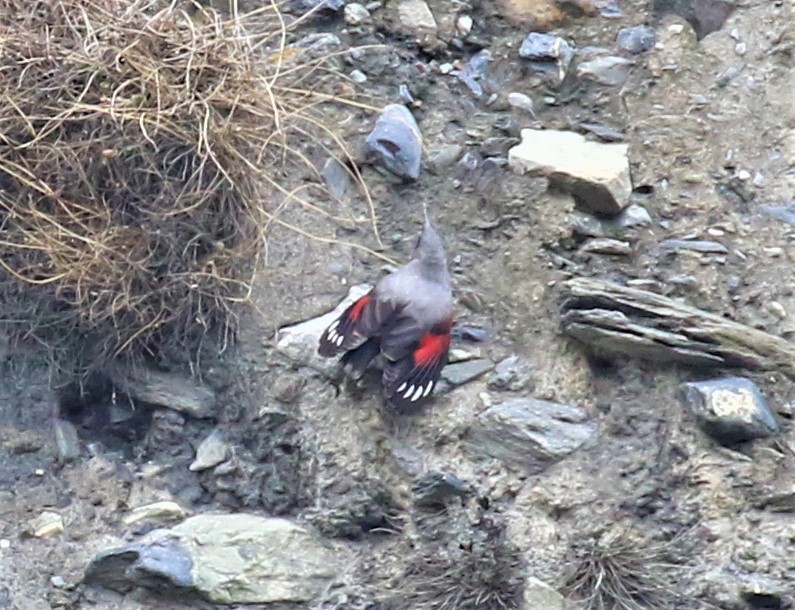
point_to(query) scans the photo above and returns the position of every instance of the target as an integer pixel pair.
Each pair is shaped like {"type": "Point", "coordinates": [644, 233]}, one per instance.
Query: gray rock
{"type": "Point", "coordinates": [636, 39]}
{"type": "Point", "coordinates": [538, 595]}
{"type": "Point", "coordinates": [335, 177]}
{"type": "Point", "coordinates": [160, 565]}
{"type": "Point", "coordinates": [396, 142]}
{"type": "Point", "coordinates": [606, 245]}
{"type": "Point", "coordinates": [57, 581]}
{"type": "Point", "coordinates": [357, 76]}
{"type": "Point", "coordinates": [603, 132]}
{"type": "Point", "coordinates": [595, 173]}
{"type": "Point", "coordinates": [512, 374]}
{"type": "Point", "coordinates": [300, 341]}
{"type": "Point", "coordinates": [416, 16]}
{"type": "Point", "coordinates": [546, 47]}
{"type": "Point", "coordinates": [520, 101]}
{"type": "Point", "coordinates": [611, 70]}
{"type": "Point", "coordinates": [784, 213]}
{"type": "Point", "coordinates": [531, 434]}
{"type": "Point", "coordinates": [66, 440]}
{"type": "Point", "coordinates": [157, 511]}
{"type": "Point", "coordinates": [497, 146]}
{"type": "Point", "coordinates": [318, 44]}
{"type": "Point", "coordinates": [212, 451]}
{"type": "Point", "coordinates": [730, 409]}
{"type": "Point", "coordinates": [226, 559]}
{"type": "Point", "coordinates": [631, 216]}
{"type": "Point", "coordinates": [549, 55]}
{"type": "Point", "coordinates": [462, 372]}
{"type": "Point", "coordinates": [474, 70]}
{"type": "Point", "coordinates": [443, 157]}
{"type": "Point", "coordinates": [434, 488]}
{"type": "Point", "coordinates": [305, 6]}
{"type": "Point", "coordinates": [707, 247]}
{"type": "Point", "coordinates": [356, 14]}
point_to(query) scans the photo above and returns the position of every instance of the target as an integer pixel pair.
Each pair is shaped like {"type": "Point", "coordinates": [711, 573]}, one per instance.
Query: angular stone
{"type": "Point", "coordinates": [730, 409]}
{"type": "Point", "coordinates": [435, 487]}
{"type": "Point", "coordinates": [549, 55]}
{"type": "Point", "coordinates": [546, 47]}
{"type": "Point", "coordinates": [538, 595]}
{"type": "Point", "coordinates": [157, 511]}
{"type": "Point", "coordinates": [607, 245]}
{"type": "Point", "coordinates": [47, 524]}
{"type": "Point", "coordinates": [512, 374]}
{"type": "Point", "coordinates": [396, 142]}
{"type": "Point", "coordinates": [462, 372]}
{"type": "Point", "coordinates": [706, 247]}
{"type": "Point", "coordinates": [226, 559]}
{"type": "Point", "coordinates": [611, 70]}
{"type": "Point", "coordinates": [300, 341]}
{"type": "Point", "coordinates": [531, 434]}
{"type": "Point", "coordinates": [212, 451]}
{"type": "Point", "coordinates": [170, 390]}
{"type": "Point", "coordinates": [596, 174]}
{"type": "Point", "coordinates": [356, 14]}
{"type": "Point", "coordinates": [416, 16]}
{"type": "Point", "coordinates": [635, 39]}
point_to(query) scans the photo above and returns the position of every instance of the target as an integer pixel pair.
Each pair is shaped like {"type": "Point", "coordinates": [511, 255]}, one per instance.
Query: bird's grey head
{"type": "Point", "coordinates": [429, 251]}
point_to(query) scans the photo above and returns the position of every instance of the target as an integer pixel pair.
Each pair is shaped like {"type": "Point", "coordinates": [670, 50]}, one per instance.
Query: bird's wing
{"type": "Point", "coordinates": [368, 317]}
{"type": "Point", "coordinates": [416, 360]}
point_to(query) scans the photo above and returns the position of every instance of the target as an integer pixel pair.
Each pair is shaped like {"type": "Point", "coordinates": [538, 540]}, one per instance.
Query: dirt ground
{"type": "Point", "coordinates": [712, 141]}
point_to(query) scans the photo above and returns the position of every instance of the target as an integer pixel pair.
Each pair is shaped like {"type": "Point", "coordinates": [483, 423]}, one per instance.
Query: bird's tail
{"type": "Point", "coordinates": [356, 361]}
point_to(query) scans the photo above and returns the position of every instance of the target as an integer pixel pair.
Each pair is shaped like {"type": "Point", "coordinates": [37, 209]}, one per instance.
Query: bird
{"type": "Point", "coordinates": [407, 318]}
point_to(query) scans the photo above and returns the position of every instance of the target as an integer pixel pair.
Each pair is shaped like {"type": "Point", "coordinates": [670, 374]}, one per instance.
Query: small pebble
{"type": "Point", "coordinates": [405, 94]}
{"type": "Point", "coordinates": [446, 68]}
{"type": "Point", "coordinates": [464, 25]}
{"type": "Point", "coordinates": [356, 14]}
{"type": "Point", "coordinates": [606, 245]}
{"type": "Point", "coordinates": [520, 101]}
{"type": "Point", "coordinates": [57, 581]}
{"type": "Point", "coordinates": [636, 39]}
{"type": "Point", "coordinates": [46, 524]}
{"type": "Point", "coordinates": [357, 76]}
{"type": "Point", "coordinates": [38, 472]}
{"type": "Point", "coordinates": [5, 543]}
{"type": "Point", "coordinates": [758, 180]}
{"type": "Point", "coordinates": [212, 451]}
{"type": "Point", "coordinates": [744, 175]}
{"type": "Point", "coordinates": [740, 48]}
{"type": "Point", "coordinates": [777, 309]}
{"type": "Point", "coordinates": [157, 511]}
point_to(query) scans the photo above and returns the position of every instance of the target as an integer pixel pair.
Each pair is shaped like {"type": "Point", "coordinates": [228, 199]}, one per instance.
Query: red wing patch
{"type": "Point", "coordinates": [412, 379]}
{"type": "Point", "coordinates": [341, 335]}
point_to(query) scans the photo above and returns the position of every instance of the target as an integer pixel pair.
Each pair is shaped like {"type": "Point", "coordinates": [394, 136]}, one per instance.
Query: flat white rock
{"type": "Point", "coordinates": [595, 173]}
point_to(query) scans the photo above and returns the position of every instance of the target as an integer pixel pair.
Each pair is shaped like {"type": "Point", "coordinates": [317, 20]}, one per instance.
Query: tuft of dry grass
{"type": "Point", "coordinates": [619, 569]}
{"type": "Point", "coordinates": [142, 151]}
{"type": "Point", "coordinates": [458, 565]}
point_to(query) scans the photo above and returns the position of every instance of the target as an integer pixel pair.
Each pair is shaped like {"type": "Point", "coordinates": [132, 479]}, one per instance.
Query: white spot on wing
{"type": "Point", "coordinates": [401, 388]}
{"type": "Point", "coordinates": [339, 341]}
{"type": "Point", "coordinates": [428, 389]}
{"type": "Point", "coordinates": [333, 326]}
{"type": "Point", "coordinates": [409, 392]}
{"type": "Point", "coordinates": [417, 394]}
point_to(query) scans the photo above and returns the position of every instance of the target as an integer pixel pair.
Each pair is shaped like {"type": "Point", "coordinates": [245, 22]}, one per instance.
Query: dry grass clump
{"type": "Point", "coordinates": [620, 569]}
{"type": "Point", "coordinates": [138, 142]}
{"type": "Point", "coordinates": [458, 564]}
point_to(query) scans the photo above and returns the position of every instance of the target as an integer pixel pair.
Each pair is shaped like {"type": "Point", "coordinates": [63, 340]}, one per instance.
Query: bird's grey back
{"type": "Point", "coordinates": [427, 300]}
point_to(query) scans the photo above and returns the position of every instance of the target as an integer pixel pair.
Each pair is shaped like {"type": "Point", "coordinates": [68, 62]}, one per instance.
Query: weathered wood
{"type": "Point", "coordinates": [639, 323]}
{"type": "Point", "coordinates": [169, 390]}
